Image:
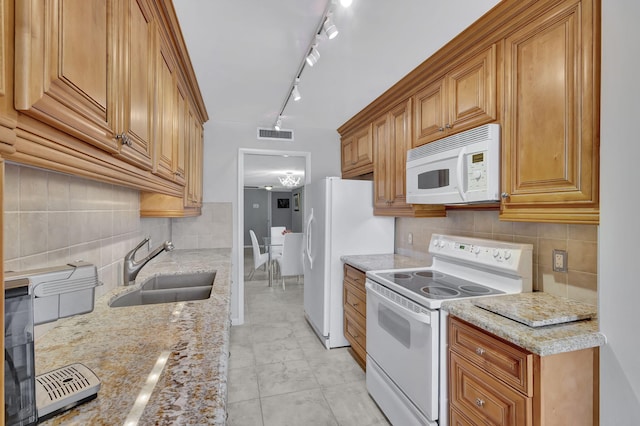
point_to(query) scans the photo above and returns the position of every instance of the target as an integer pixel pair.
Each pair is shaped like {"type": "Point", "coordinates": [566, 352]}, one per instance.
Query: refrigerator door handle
{"type": "Point", "coordinates": [308, 232]}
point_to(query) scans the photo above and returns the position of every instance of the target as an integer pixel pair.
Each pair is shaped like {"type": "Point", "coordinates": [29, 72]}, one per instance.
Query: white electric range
{"type": "Point", "coordinates": [406, 329]}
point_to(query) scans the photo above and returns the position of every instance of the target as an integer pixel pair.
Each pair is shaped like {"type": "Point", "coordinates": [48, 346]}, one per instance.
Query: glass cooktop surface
{"type": "Point", "coordinates": [437, 285]}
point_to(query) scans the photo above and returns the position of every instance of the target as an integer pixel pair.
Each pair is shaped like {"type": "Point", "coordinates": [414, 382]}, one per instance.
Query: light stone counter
{"type": "Point", "coordinates": [546, 340]}
{"type": "Point", "coordinates": [121, 345]}
{"type": "Point", "coordinates": [376, 262]}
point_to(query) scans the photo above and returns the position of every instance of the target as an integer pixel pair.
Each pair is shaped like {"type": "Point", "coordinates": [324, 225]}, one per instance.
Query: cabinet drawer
{"type": "Point", "coordinates": [481, 395]}
{"type": "Point", "coordinates": [355, 298]}
{"type": "Point", "coordinates": [506, 362]}
{"type": "Point", "coordinates": [456, 418]}
{"type": "Point", "coordinates": [355, 276]}
{"type": "Point", "coordinates": [354, 332]}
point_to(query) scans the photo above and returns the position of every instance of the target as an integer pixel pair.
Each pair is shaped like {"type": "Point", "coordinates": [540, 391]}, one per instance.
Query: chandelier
{"type": "Point", "coordinates": [289, 180]}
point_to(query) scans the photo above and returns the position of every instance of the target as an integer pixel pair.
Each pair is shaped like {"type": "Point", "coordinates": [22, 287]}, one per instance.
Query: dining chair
{"type": "Point", "coordinates": [291, 263]}
{"type": "Point", "coordinates": [277, 239]}
{"type": "Point", "coordinates": [259, 259]}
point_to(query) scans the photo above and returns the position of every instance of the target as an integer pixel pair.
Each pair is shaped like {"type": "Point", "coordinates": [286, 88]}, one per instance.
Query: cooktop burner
{"type": "Point", "coordinates": [437, 285]}
{"type": "Point", "coordinates": [439, 292]}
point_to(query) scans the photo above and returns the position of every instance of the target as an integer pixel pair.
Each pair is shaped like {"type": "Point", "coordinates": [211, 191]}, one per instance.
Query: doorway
{"type": "Point", "coordinates": [261, 171]}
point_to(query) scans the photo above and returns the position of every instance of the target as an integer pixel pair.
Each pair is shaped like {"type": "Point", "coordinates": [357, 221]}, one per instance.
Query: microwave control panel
{"type": "Point", "coordinates": [476, 171]}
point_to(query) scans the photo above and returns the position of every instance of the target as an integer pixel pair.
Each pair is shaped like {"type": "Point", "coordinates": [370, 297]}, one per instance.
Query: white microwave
{"type": "Point", "coordinates": [460, 169]}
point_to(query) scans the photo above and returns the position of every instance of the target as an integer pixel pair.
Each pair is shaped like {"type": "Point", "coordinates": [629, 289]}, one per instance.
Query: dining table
{"type": "Point", "coordinates": [269, 245]}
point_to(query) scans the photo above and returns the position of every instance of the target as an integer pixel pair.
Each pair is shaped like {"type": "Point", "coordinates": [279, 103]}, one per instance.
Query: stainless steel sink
{"type": "Point", "coordinates": [167, 289]}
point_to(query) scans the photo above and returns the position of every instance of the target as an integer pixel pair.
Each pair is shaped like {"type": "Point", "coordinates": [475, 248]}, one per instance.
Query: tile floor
{"type": "Point", "coordinates": [279, 372]}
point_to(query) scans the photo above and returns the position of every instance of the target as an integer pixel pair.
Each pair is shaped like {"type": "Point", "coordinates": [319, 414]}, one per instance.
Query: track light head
{"type": "Point", "coordinates": [295, 93]}
{"type": "Point", "coordinates": [278, 124]}
{"type": "Point", "coordinates": [330, 28]}
{"type": "Point", "coordinates": [345, 3]}
{"type": "Point", "coordinates": [313, 56]}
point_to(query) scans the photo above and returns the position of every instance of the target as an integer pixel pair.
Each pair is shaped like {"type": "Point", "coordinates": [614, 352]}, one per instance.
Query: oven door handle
{"type": "Point", "coordinates": [421, 317]}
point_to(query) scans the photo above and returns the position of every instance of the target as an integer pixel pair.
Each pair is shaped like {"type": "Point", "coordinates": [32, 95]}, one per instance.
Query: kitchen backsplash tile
{"type": "Point", "coordinates": [51, 219]}
{"type": "Point", "coordinates": [580, 242]}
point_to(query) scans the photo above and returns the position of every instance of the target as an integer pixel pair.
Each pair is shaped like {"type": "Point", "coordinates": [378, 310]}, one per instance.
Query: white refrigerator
{"type": "Point", "coordinates": [339, 221]}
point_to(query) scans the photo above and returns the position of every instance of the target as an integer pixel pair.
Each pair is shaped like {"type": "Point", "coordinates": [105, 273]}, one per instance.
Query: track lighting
{"type": "Point", "coordinates": [330, 28]}
{"type": "Point", "coordinates": [313, 56]}
{"type": "Point", "coordinates": [325, 25]}
{"type": "Point", "coordinates": [295, 93]}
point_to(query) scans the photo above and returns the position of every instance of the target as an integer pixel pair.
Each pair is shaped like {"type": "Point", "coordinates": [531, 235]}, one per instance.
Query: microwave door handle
{"type": "Point", "coordinates": [460, 174]}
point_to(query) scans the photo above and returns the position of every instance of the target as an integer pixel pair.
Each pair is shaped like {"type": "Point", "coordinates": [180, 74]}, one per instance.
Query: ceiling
{"type": "Point", "coordinates": [246, 54]}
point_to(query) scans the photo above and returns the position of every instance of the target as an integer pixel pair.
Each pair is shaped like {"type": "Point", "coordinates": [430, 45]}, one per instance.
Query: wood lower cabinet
{"type": "Point", "coordinates": [492, 381]}
{"type": "Point", "coordinates": [391, 140]}
{"type": "Point", "coordinates": [465, 97]}
{"type": "Point", "coordinates": [357, 153]}
{"type": "Point", "coordinates": [550, 162]}
{"type": "Point", "coordinates": [355, 313]}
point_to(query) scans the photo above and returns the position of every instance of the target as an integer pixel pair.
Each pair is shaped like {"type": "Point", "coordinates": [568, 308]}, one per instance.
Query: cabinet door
{"type": "Point", "coordinates": [383, 165]}
{"type": "Point", "coordinates": [165, 115]}
{"type": "Point", "coordinates": [472, 92]}
{"type": "Point", "coordinates": [430, 113]}
{"type": "Point", "coordinates": [550, 140]}
{"type": "Point", "coordinates": [357, 152]}
{"type": "Point", "coordinates": [400, 142]}
{"type": "Point", "coordinates": [135, 128]}
{"type": "Point", "coordinates": [65, 67]}
{"type": "Point", "coordinates": [349, 154]}
{"type": "Point", "coordinates": [181, 139]}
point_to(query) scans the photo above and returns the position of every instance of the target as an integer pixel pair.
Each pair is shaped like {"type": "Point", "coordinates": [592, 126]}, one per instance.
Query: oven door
{"type": "Point", "coordinates": [402, 340]}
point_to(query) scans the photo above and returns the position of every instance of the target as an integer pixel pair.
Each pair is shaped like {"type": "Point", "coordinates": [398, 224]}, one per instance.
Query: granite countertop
{"type": "Point", "coordinates": [544, 340]}
{"type": "Point", "coordinates": [376, 262]}
{"type": "Point", "coordinates": [122, 345]}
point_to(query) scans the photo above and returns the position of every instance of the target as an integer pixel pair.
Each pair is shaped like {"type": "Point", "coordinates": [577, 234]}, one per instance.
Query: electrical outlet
{"type": "Point", "coordinates": [410, 238]}
{"type": "Point", "coordinates": [559, 260]}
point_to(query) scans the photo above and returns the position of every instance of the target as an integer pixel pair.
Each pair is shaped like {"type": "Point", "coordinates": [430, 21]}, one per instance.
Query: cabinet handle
{"type": "Point", "coordinates": [441, 129]}
{"type": "Point", "coordinates": [448, 126]}
{"type": "Point", "coordinates": [355, 304]}
{"type": "Point", "coordinates": [479, 402]}
{"type": "Point", "coordinates": [480, 351]}
{"type": "Point", "coordinates": [125, 139]}
{"type": "Point", "coordinates": [505, 195]}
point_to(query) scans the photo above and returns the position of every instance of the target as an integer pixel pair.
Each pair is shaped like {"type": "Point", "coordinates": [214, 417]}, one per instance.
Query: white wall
{"type": "Point", "coordinates": [619, 289]}
{"type": "Point", "coordinates": [221, 144]}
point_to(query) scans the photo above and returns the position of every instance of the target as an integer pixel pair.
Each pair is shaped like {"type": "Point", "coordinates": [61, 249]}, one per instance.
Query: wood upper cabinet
{"type": "Point", "coordinates": [391, 140]}
{"type": "Point", "coordinates": [550, 165]}
{"type": "Point", "coordinates": [136, 107]}
{"type": "Point", "coordinates": [181, 140]}
{"type": "Point", "coordinates": [65, 67]}
{"type": "Point", "coordinates": [464, 98]}
{"type": "Point", "coordinates": [166, 112]}
{"type": "Point", "coordinates": [357, 152]}
{"type": "Point", "coordinates": [194, 162]}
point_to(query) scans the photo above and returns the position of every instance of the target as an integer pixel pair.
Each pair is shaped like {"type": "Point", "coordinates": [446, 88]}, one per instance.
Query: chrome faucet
{"type": "Point", "coordinates": [131, 267]}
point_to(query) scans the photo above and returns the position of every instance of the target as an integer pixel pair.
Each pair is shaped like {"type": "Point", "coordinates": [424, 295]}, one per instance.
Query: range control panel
{"type": "Point", "coordinates": [482, 252]}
